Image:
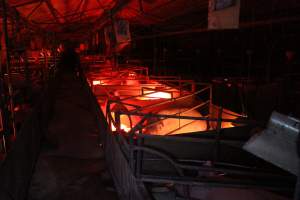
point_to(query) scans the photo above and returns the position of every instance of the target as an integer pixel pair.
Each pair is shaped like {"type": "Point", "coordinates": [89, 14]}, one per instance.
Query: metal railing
{"type": "Point", "coordinates": [127, 186]}
{"type": "Point", "coordinates": [125, 154]}
{"type": "Point", "coordinates": [140, 154]}
{"type": "Point", "coordinates": [139, 111]}
{"type": "Point", "coordinates": [17, 169]}
{"type": "Point", "coordinates": [128, 154]}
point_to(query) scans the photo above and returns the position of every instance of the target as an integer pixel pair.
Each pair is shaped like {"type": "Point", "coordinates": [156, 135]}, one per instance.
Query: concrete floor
{"type": "Point", "coordinates": [72, 166]}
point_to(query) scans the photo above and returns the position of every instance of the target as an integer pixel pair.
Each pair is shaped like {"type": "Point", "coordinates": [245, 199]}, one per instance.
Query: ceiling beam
{"type": "Point", "coordinates": [106, 17]}
{"type": "Point", "coordinates": [14, 14]}
{"type": "Point", "coordinates": [84, 7]}
{"type": "Point", "coordinates": [100, 5]}
{"type": "Point", "coordinates": [25, 3]}
{"type": "Point", "coordinates": [34, 9]}
{"type": "Point", "coordinates": [53, 11]}
{"type": "Point", "coordinates": [66, 23]}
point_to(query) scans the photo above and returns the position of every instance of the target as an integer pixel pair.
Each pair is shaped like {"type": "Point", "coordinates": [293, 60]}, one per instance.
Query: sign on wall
{"type": "Point", "coordinates": [223, 14]}
{"type": "Point", "coordinates": [122, 31]}
{"type": "Point", "coordinates": [117, 37]}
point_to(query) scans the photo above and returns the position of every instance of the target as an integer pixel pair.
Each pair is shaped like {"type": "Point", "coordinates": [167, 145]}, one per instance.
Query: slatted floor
{"type": "Point", "coordinates": [71, 164]}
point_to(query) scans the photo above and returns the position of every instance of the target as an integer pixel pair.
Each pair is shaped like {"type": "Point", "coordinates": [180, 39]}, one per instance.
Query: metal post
{"type": "Point", "coordinates": [55, 59]}
{"type": "Point", "coordinates": [154, 65]}
{"type": "Point", "coordinates": [27, 77]}
{"type": "Point", "coordinates": [297, 189]}
{"type": "Point", "coordinates": [2, 106]}
{"type": "Point", "coordinates": [139, 155]}
{"type": "Point", "coordinates": [141, 6]}
{"type": "Point", "coordinates": [115, 60]}
{"type": "Point", "coordinates": [1, 132]}
{"type": "Point", "coordinates": [7, 65]}
{"type": "Point", "coordinates": [46, 66]}
{"type": "Point", "coordinates": [210, 109]}
{"type": "Point", "coordinates": [180, 86]}
{"type": "Point", "coordinates": [218, 136]}
{"type": "Point", "coordinates": [118, 121]}
{"type": "Point", "coordinates": [131, 155]}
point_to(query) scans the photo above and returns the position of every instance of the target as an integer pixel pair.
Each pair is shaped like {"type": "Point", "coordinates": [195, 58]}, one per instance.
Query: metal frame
{"type": "Point", "coordinates": [171, 85]}
{"type": "Point", "coordinates": [18, 166]}
{"type": "Point", "coordinates": [127, 186]}
{"type": "Point", "coordinates": [132, 151]}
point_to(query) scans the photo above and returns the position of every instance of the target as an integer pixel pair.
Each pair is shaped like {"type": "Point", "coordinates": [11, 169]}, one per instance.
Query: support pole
{"type": "Point", "coordinates": [27, 77]}
{"type": "Point", "coordinates": [114, 43]}
{"type": "Point", "coordinates": [5, 49]}
{"type": "Point", "coordinates": [154, 64]}
{"type": "Point", "coordinates": [218, 136]}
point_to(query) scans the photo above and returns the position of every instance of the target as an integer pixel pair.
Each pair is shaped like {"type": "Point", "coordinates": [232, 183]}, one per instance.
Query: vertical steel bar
{"type": "Point", "coordinates": [2, 106]}
{"type": "Point", "coordinates": [155, 50]}
{"type": "Point", "coordinates": [46, 66]}
{"type": "Point", "coordinates": [210, 109]}
{"type": "Point", "coordinates": [114, 53]}
{"type": "Point", "coordinates": [131, 154]}
{"type": "Point", "coordinates": [7, 64]}
{"type": "Point", "coordinates": [27, 77]}
{"type": "Point", "coordinates": [218, 136]}
{"type": "Point", "coordinates": [139, 155]}
{"type": "Point", "coordinates": [141, 6]}
{"type": "Point", "coordinates": [297, 189]}
{"type": "Point", "coordinates": [4, 143]}
{"type": "Point", "coordinates": [118, 121]}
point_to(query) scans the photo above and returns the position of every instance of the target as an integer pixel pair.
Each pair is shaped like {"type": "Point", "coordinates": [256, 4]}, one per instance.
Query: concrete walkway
{"type": "Point", "coordinates": [73, 166]}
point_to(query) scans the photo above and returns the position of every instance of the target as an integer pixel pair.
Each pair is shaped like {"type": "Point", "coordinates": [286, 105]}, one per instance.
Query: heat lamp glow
{"type": "Point", "coordinates": [159, 95]}
{"type": "Point", "coordinates": [96, 82]}
{"type": "Point", "coordinates": [153, 92]}
{"type": "Point", "coordinates": [123, 127]}
{"type": "Point", "coordinates": [132, 75]}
